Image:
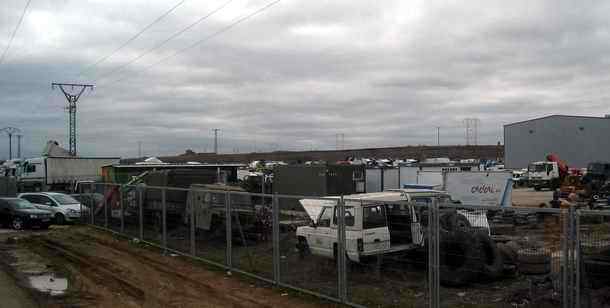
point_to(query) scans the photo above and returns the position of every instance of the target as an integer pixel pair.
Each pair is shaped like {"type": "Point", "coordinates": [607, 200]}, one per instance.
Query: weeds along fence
{"type": "Point", "coordinates": [373, 253]}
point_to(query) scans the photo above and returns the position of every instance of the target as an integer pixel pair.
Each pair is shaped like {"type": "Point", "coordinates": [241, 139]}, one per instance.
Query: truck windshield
{"type": "Point", "coordinates": [21, 204]}
{"type": "Point", "coordinates": [537, 168]}
{"type": "Point", "coordinates": [64, 199]}
{"type": "Point", "coordinates": [373, 217]}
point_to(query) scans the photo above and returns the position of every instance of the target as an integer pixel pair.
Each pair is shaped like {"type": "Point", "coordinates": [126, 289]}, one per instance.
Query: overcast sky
{"type": "Point", "coordinates": [383, 73]}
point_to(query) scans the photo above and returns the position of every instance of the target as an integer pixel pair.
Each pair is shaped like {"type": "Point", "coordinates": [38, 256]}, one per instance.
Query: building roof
{"type": "Point", "coordinates": [557, 116]}
{"type": "Point", "coordinates": [188, 166]}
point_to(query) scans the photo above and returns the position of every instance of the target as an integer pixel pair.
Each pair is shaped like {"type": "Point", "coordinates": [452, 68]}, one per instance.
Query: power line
{"type": "Point", "coordinates": [131, 39]}
{"type": "Point", "coordinates": [207, 38]}
{"type": "Point", "coordinates": [14, 31]}
{"type": "Point", "coordinates": [165, 41]}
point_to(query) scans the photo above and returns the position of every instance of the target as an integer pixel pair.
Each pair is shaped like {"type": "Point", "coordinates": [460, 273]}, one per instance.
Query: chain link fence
{"type": "Point", "coordinates": [414, 252]}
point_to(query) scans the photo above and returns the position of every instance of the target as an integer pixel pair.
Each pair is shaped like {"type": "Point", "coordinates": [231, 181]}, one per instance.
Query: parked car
{"type": "Point", "coordinates": [64, 208]}
{"type": "Point", "coordinates": [20, 214]}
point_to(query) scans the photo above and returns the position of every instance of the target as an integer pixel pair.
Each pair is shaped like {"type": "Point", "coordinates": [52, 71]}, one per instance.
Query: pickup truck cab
{"type": "Point", "coordinates": [375, 223]}
{"type": "Point", "coordinates": [543, 174]}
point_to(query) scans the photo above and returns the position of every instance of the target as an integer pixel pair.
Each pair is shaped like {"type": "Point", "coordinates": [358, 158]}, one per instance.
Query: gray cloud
{"type": "Point", "coordinates": [295, 76]}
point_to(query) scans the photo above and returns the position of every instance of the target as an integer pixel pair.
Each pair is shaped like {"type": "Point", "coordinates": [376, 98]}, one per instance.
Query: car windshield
{"type": "Point", "coordinates": [64, 199]}
{"type": "Point", "coordinates": [21, 204]}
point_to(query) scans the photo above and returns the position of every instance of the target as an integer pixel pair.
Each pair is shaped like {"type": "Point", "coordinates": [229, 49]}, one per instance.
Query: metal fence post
{"type": "Point", "coordinates": [141, 212]}
{"type": "Point", "coordinates": [122, 209]}
{"type": "Point", "coordinates": [92, 205]}
{"type": "Point", "coordinates": [229, 248]}
{"type": "Point", "coordinates": [341, 268]}
{"type": "Point", "coordinates": [577, 259]}
{"type": "Point", "coordinates": [434, 254]}
{"type": "Point", "coordinates": [164, 218]}
{"type": "Point", "coordinates": [105, 207]}
{"type": "Point", "coordinates": [192, 227]}
{"type": "Point", "coordinates": [80, 191]}
{"type": "Point", "coordinates": [565, 262]}
{"type": "Point", "coordinates": [276, 239]}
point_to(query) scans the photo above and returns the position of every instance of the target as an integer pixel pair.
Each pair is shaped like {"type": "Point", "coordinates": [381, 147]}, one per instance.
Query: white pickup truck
{"type": "Point", "coordinates": [376, 223]}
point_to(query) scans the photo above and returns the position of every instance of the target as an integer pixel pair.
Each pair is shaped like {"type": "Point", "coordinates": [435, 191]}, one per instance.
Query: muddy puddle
{"type": "Point", "coordinates": [49, 283]}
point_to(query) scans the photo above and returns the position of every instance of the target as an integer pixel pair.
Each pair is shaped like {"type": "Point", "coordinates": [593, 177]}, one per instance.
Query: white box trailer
{"type": "Point", "coordinates": [489, 188]}
{"type": "Point", "coordinates": [60, 173]}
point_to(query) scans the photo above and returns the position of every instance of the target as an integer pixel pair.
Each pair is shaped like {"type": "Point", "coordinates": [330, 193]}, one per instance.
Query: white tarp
{"type": "Point", "coordinates": [480, 188]}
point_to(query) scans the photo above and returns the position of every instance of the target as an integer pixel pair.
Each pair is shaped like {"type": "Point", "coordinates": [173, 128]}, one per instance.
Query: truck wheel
{"type": "Point", "coordinates": [60, 219]}
{"type": "Point", "coordinates": [534, 261]}
{"type": "Point", "coordinates": [303, 247]}
{"type": "Point", "coordinates": [17, 223]}
{"type": "Point", "coordinates": [508, 252]}
{"type": "Point", "coordinates": [460, 258]}
{"type": "Point", "coordinates": [493, 263]}
{"type": "Point", "coordinates": [453, 221]}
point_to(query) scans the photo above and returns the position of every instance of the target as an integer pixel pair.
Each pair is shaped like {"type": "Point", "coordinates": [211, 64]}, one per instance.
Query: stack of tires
{"type": "Point", "coordinates": [534, 261]}
{"type": "Point", "coordinates": [466, 253]}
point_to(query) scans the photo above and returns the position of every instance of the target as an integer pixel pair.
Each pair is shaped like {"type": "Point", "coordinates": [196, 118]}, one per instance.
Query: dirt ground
{"type": "Point", "coordinates": [528, 197]}
{"type": "Point", "coordinates": [106, 271]}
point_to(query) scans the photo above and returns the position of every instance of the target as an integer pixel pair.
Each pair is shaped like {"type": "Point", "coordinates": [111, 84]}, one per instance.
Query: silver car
{"type": "Point", "coordinates": [64, 207]}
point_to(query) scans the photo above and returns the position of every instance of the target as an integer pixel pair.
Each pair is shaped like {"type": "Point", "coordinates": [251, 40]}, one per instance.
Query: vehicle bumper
{"type": "Point", "coordinates": [39, 221]}
{"type": "Point", "coordinates": [72, 216]}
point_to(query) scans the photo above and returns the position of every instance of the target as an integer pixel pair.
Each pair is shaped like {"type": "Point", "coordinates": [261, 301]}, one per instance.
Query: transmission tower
{"type": "Point", "coordinates": [216, 140]}
{"type": "Point", "coordinates": [72, 99]}
{"type": "Point", "coordinates": [472, 130]}
{"type": "Point", "coordinates": [10, 131]}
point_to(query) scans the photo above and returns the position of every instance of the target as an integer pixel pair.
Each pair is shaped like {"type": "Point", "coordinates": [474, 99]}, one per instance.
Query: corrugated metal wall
{"type": "Point", "coordinates": [577, 140]}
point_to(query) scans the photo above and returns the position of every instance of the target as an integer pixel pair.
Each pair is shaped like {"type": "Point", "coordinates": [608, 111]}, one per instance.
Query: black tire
{"type": "Point", "coordinates": [453, 221]}
{"type": "Point", "coordinates": [493, 263]}
{"type": "Point", "coordinates": [534, 261]}
{"type": "Point", "coordinates": [460, 258]}
{"type": "Point", "coordinates": [533, 256]}
{"type": "Point", "coordinates": [534, 268]}
{"type": "Point", "coordinates": [509, 253]}
{"type": "Point", "coordinates": [17, 223]}
{"type": "Point", "coordinates": [60, 219]}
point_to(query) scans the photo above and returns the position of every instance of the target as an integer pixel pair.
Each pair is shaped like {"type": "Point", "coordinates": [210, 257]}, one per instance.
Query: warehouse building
{"type": "Point", "coordinates": [577, 140]}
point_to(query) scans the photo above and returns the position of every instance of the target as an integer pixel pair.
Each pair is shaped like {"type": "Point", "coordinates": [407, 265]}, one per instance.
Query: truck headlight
{"type": "Point", "coordinates": [33, 216]}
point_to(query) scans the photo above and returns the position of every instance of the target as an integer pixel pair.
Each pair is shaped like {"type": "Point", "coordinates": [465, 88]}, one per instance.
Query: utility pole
{"type": "Point", "coordinates": [340, 141]}
{"type": "Point", "coordinates": [19, 145]}
{"type": "Point", "coordinates": [216, 140]}
{"type": "Point", "coordinates": [72, 99]}
{"type": "Point", "coordinates": [438, 135]}
{"type": "Point", "coordinates": [10, 131]}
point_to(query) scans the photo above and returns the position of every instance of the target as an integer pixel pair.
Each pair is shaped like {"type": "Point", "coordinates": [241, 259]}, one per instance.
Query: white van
{"type": "Point", "coordinates": [375, 223]}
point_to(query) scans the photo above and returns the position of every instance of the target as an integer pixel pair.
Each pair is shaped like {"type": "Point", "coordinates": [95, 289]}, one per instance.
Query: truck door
{"type": "Point", "coordinates": [323, 236]}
